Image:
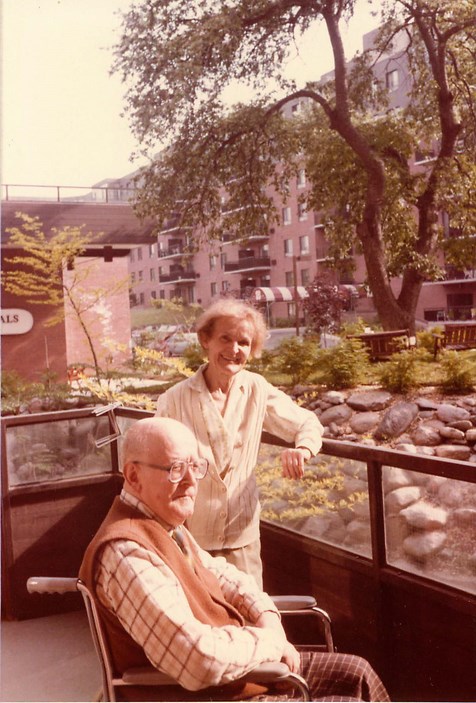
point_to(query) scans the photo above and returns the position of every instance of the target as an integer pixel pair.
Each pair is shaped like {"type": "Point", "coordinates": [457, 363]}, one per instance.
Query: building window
{"type": "Point", "coordinates": [213, 261]}
{"type": "Point", "coordinates": [301, 178]}
{"type": "Point", "coordinates": [305, 277]}
{"type": "Point", "coordinates": [141, 275]}
{"type": "Point", "coordinates": [139, 254]}
{"type": "Point", "coordinates": [152, 274]}
{"type": "Point", "coordinates": [162, 294]}
{"type": "Point", "coordinates": [288, 247]}
{"type": "Point", "coordinates": [153, 294]}
{"type": "Point", "coordinates": [213, 288]}
{"type": "Point", "coordinates": [131, 256]}
{"type": "Point", "coordinates": [289, 278]}
{"type": "Point", "coordinates": [151, 250]}
{"type": "Point", "coordinates": [223, 260]}
{"type": "Point", "coordinates": [286, 215]}
{"type": "Point", "coordinates": [391, 80]}
{"type": "Point", "coordinates": [304, 244]}
{"type": "Point", "coordinates": [225, 286]}
{"type": "Point", "coordinates": [291, 309]}
{"type": "Point", "coordinates": [302, 212]}
{"type": "Point", "coordinates": [141, 299]}
{"type": "Point", "coordinates": [133, 278]}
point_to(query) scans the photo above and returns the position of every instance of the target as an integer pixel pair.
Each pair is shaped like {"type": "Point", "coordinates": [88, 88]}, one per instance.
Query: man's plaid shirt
{"type": "Point", "coordinates": [149, 601]}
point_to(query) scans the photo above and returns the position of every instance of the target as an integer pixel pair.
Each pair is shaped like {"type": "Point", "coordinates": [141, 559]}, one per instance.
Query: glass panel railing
{"type": "Point", "coordinates": [330, 503]}
{"type": "Point", "coordinates": [430, 526]}
{"type": "Point", "coordinates": [51, 451]}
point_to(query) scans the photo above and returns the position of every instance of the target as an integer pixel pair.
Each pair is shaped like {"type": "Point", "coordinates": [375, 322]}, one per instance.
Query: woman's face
{"type": "Point", "coordinates": [229, 345]}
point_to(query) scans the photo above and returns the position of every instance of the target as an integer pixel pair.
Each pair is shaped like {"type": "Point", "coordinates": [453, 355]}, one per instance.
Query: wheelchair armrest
{"type": "Point", "coordinates": [51, 584]}
{"type": "Point", "coordinates": [294, 602]}
{"type": "Point", "coordinates": [267, 672]}
{"type": "Point", "coordinates": [276, 672]}
{"type": "Point", "coordinates": [146, 676]}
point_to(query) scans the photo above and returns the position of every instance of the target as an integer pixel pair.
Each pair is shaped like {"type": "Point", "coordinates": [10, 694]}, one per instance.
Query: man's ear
{"type": "Point", "coordinates": [132, 475]}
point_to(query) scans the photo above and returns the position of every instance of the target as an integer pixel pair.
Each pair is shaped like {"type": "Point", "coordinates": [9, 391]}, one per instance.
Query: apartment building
{"type": "Point", "coordinates": [267, 266]}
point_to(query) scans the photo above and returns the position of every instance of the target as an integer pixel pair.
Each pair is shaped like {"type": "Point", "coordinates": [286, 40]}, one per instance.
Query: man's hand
{"type": "Point", "coordinates": [292, 461]}
{"type": "Point", "coordinates": [292, 658]}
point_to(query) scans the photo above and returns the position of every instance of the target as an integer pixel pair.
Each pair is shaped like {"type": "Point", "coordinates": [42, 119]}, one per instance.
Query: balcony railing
{"type": "Point", "coordinates": [178, 277]}
{"type": "Point", "coordinates": [250, 263]}
{"type": "Point", "coordinates": [373, 545]}
{"type": "Point", "coordinates": [173, 252]}
{"type": "Point", "coordinates": [68, 194]}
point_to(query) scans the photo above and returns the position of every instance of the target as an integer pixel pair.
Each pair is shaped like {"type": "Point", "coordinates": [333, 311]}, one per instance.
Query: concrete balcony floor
{"type": "Point", "coordinates": [49, 659]}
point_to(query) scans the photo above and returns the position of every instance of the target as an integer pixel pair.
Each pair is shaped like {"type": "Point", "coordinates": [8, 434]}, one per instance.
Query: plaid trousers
{"type": "Point", "coordinates": [336, 677]}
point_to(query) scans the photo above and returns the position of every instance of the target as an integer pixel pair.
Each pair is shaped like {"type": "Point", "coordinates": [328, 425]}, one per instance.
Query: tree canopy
{"type": "Point", "coordinates": [223, 168]}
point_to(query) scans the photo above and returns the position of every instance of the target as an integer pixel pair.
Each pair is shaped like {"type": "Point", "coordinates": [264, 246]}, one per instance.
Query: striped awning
{"type": "Point", "coordinates": [278, 294]}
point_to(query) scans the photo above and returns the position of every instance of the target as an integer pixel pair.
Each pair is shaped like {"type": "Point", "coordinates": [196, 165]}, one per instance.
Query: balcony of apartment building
{"type": "Point", "coordinates": [179, 275]}
{"type": "Point", "coordinates": [176, 248]}
{"type": "Point", "coordinates": [254, 237]}
{"type": "Point", "coordinates": [248, 260]}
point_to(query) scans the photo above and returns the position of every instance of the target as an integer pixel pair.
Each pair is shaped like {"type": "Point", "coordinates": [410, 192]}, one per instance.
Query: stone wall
{"type": "Point", "coordinates": [423, 424]}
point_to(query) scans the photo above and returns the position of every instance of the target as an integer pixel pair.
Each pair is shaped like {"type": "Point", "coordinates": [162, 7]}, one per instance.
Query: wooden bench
{"type": "Point", "coordinates": [381, 345]}
{"type": "Point", "coordinates": [457, 336]}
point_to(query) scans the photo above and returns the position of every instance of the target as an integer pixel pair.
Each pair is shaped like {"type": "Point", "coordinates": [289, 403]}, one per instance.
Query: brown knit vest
{"type": "Point", "coordinates": [201, 587]}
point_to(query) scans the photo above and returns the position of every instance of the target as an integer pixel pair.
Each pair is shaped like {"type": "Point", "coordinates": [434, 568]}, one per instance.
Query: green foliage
{"type": "Point", "coordinates": [399, 373]}
{"type": "Point", "coordinates": [344, 366]}
{"type": "Point", "coordinates": [357, 326]}
{"type": "Point", "coordinates": [17, 391]}
{"type": "Point", "coordinates": [296, 357]}
{"type": "Point", "coordinates": [426, 340]}
{"type": "Point", "coordinates": [45, 274]}
{"type": "Point", "coordinates": [319, 493]}
{"type": "Point", "coordinates": [193, 356]}
{"type": "Point", "coordinates": [264, 364]}
{"type": "Point", "coordinates": [459, 375]}
{"type": "Point", "coordinates": [324, 305]}
{"type": "Point", "coordinates": [175, 311]}
{"type": "Point", "coordinates": [179, 59]}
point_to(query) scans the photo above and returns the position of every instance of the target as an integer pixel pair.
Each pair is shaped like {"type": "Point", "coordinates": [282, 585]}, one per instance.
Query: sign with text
{"type": "Point", "coordinates": [15, 321]}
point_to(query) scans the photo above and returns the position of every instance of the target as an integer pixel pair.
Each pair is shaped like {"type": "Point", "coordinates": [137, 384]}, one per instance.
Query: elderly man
{"type": "Point", "coordinates": [166, 601]}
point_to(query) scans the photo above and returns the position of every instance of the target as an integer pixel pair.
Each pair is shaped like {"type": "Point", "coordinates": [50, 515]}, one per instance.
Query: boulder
{"type": "Point", "coordinates": [424, 544]}
{"type": "Point", "coordinates": [396, 420]}
{"type": "Point", "coordinates": [369, 400]}
{"type": "Point", "coordinates": [425, 516]}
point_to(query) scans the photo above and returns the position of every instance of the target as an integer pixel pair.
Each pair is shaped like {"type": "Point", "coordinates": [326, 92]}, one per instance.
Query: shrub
{"type": "Point", "coordinates": [344, 366]}
{"type": "Point", "coordinates": [263, 364]}
{"type": "Point", "coordinates": [426, 340]}
{"type": "Point", "coordinates": [399, 373]}
{"type": "Point", "coordinates": [458, 374]}
{"type": "Point", "coordinates": [297, 358]}
{"type": "Point", "coordinates": [193, 356]}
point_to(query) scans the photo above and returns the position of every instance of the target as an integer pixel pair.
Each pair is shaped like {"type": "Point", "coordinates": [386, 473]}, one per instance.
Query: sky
{"type": "Point", "coordinates": [61, 108]}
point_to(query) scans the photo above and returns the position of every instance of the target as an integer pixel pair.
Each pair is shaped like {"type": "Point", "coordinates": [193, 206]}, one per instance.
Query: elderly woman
{"type": "Point", "coordinates": [227, 408]}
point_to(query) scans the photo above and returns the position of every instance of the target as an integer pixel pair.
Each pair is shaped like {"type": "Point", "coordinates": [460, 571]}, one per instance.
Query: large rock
{"type": "Point", "coordinates": [401, 497]}
{"type": "Point", "coordinates": [369, 400]}
{"type": "Point", "coordinates": [393, 478]}
{"type": "Point", "coordinates": [337, 414]}
{"type": "Point", "coordinates": [426, 435]}
{"type": "Point", "coordinates": [425, 516]}
{"type": "Point", "coordinates": [453, 434]}
{"type": "Point", "coordinates": [451, 413]}
{"type": "Point", "coordinates": [363, 422]}
{"type": "Point", "coordinates": [396, 420]}
{"type": "Point", "coordinates": [453, 451]}
{"type": "Point", "coordinates": [425, 544]}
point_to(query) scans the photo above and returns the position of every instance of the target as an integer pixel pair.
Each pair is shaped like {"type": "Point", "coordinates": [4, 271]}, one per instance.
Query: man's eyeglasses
{"type": "Point", "coordinates": [178, 469]}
